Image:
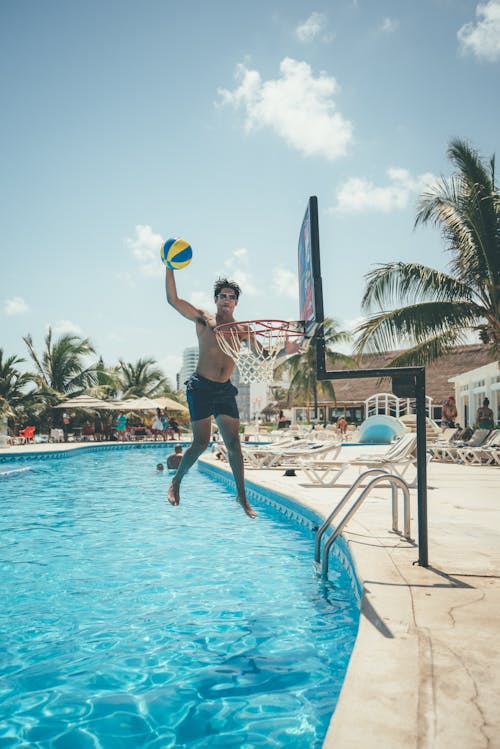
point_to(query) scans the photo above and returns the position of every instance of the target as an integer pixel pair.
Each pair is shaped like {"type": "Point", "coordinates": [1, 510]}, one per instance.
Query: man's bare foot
{"type": "Point", "coordinates": [173, 494]}
{"type": "Point", "coordinates": [248, 508]}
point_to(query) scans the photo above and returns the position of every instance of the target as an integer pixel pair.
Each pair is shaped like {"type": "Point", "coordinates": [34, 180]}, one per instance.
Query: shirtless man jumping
{"type": "Point", "coordinates": [209, 390]}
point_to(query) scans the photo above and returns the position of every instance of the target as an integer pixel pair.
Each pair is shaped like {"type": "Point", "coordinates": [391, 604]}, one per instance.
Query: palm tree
{"type": "Point", "coordinates": [142, 378]}
{"type": "Point", "coordinates": [13, 395]}
{"type": "Point", "coordinates": [107, 382]}
{"type": "Point", "coordinates": [304, 384]}
{"type": "Point", "coordinates": [437, 309]}
{"type": "Point", "coordinates": [61, 369]}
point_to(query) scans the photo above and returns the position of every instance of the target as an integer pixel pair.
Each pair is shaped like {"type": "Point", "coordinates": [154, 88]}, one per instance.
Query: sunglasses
{"type": "Point", "coordinates": [232, 297]}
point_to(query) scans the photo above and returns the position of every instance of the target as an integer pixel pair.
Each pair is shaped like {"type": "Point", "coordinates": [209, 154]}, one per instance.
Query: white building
{"type": "Point", "coordinates": [251, 398]}
{"type": "Point", "coordinates": [472, 387]}
{"type": "Point", "coordinates": [189, 362]}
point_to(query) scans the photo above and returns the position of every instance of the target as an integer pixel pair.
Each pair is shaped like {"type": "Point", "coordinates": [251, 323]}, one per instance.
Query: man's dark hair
{"type": "Point", "coordinates": [224, 283]}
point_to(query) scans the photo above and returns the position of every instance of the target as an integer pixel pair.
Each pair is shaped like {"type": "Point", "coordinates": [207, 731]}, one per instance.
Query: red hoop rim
{"type": "Point", "coordinates": [262, 326]}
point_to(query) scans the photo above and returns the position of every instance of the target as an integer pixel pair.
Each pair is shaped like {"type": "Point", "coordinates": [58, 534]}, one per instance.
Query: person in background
{"type": "Point", "coordinates": [174, 459]}
{"type": "Point", "coordinates": [160, 467]}
{"type": "Point", "coordinates": [342, 425]}
{"type": "Point", "coordinates": [174, 427]}
{"type": "Point", "coordinates": [157, 425]}
{"type": "Point", "coordinates": [66, 425]}
{"type": "Point", "coordinates": [98, 429]}
{"type": "Point", "coordinates": [164, 421]}
{"type": "Point", "coordinates": [121, 425]}
{"type": "Point", "coordinates": [449, 413]}
{"type": "Point", "coordinates": [484, 416]}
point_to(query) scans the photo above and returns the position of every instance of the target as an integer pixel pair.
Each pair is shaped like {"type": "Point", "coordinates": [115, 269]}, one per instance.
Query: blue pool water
{"type": "Point", "coordinates": [125, 622]}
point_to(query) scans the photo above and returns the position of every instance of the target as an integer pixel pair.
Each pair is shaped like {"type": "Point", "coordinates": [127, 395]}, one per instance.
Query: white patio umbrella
{"type": "Point", "coordinates": [172, 405]}
{"type": "Point", "coordinates": [148, 404]}
{"type": "Point", "coordinates": [86, 402]}
{"type": "Point", "coordinates": [136, 404]}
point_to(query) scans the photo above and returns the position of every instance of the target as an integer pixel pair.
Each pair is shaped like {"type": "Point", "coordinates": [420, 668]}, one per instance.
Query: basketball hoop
{"type": "Point", "coordinates": [254, 345]}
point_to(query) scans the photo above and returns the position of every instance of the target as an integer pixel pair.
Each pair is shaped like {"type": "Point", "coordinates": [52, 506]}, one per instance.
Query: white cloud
{"type": "Point", "coordinates": [65, 327]}
{"type": "Point", "coordinates": [312, 28]}
{"type": "Point", "coordinates": [483, 37]}
{"type": "Point", "coordinates": [238, 267]}
{"type": "Point", "coordinates": [15, 306]}
{"type": "Point", "coordinates": [298, 106]}
{"type": "Point", "coordinates": [284, 283]}
{"type": "Point", "coordinates": [145, 247]}
{"type": "Point", "coordinates": [389, 25]}
{"type": "Point", "coordinates": [358, 194]}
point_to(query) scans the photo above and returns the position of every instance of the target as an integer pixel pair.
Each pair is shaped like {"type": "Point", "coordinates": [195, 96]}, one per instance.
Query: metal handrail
{"type": "Point", "coordinates": [396, 482]}
{"type": "Point", "coordinates": [321, 530]}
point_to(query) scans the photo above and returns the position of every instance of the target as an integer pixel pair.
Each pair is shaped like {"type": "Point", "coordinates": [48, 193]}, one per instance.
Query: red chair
{"type": "Point", "coordinates": [27, 434]}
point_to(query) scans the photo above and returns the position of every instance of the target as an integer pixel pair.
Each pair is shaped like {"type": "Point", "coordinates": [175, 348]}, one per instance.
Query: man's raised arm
{"type": "Point", "coordinates": [181, 305]}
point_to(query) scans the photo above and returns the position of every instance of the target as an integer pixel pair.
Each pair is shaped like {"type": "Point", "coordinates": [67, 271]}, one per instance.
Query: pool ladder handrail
{"type": "Point", "coordinates": [396, 482]}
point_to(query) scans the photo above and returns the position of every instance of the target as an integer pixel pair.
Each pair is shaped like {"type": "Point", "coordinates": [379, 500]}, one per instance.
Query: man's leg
{"type": "Point", "coordinates": [229, 428]}
{"type": "Point", "coordinates": [201, 438]}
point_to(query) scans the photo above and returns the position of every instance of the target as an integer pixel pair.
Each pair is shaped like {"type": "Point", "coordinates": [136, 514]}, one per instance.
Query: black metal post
{"type": "Point", "coordinates": [407, 382]}
{"type": "Point", "coordinates": [423, 555]}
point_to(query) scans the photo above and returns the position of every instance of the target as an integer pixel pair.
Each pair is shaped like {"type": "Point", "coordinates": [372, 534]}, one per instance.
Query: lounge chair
{"type": "Point", "coordinates": [397, 459]}
{"type": "Point", "coordinates": [487, 453]}
{"type": "Point", "coordinates": [451, 437]}
{"type": "Point", "coordinates": [450, 454]}
{"type": "Point", "coordinates": [288, 456]}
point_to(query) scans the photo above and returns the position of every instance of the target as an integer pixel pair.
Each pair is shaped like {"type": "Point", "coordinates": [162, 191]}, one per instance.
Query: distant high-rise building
{"type": "Point", "coordinates": [251, 398]}
{"type": "Point", "coordinates": [189, 362]}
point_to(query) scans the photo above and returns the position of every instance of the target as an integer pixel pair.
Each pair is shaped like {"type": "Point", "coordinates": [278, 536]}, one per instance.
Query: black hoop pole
{"type": "Point", "coordinates": [423, 554]}
{"type": "Point", "coordinates": [413, 379]}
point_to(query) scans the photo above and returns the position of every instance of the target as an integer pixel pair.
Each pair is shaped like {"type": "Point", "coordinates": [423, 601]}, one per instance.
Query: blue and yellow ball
{"type": "Point", "coordinates": [176, 253]}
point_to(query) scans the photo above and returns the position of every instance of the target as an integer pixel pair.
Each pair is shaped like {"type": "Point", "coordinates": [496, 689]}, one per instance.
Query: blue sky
{"type": "Point", "coordinates": [126, 123]}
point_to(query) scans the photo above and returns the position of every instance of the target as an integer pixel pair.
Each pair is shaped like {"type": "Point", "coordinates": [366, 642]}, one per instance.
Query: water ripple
{"type": "Point", "coordinates": [128, 623]}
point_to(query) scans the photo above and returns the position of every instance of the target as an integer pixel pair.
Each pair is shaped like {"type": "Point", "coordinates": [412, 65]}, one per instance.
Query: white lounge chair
{"type": "Point", "coordinates": [288, 456]}
{"type": "Point", "coordinates": [450, 453]}
{"type": "Point", "coordinates": [397, 459]}
{"type": "Point", "coordinates": [485, 454]}
{"type": "Point", "coordinates": [451, 437]}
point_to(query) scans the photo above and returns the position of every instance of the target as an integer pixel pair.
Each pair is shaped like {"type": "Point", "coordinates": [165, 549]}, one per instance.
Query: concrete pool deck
{"type": "Point", "coordinates": [425, 670]}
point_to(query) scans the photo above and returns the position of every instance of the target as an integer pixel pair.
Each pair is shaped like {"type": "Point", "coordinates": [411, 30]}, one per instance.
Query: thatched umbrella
{"type": "Point", "coordinates": [85, 402]}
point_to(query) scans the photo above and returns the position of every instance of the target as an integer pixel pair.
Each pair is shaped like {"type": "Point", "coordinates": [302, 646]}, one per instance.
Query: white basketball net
{"type": "Point", "coordinates": [254, 345]}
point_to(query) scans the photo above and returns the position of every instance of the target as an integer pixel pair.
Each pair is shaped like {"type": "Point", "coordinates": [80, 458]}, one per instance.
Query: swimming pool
{"type": "Point", "coordinates": [126, 623]}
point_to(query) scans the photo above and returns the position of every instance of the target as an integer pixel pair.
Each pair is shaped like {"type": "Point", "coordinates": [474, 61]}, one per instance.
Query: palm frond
{"type": "Point", "coordinates": [403, 326]}
{"type": "Point", "coordinates": [142, 378]}
{"type": "Point", "coordinates": [425, 352]}
{"type": "Point", "coordinates": [466, 209]}
{"type": "Point", "coordinates": [402, 283]}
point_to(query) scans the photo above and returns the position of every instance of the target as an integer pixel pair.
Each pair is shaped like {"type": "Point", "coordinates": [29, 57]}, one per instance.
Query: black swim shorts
{"type": "Point", "coordinates": [207, 398]}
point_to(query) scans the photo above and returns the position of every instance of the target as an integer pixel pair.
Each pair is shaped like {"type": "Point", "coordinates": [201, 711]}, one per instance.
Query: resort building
{"type": "Point", "coordinates": [471, 368]}
{"type": "Point", "coordinates": [472, 387]}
